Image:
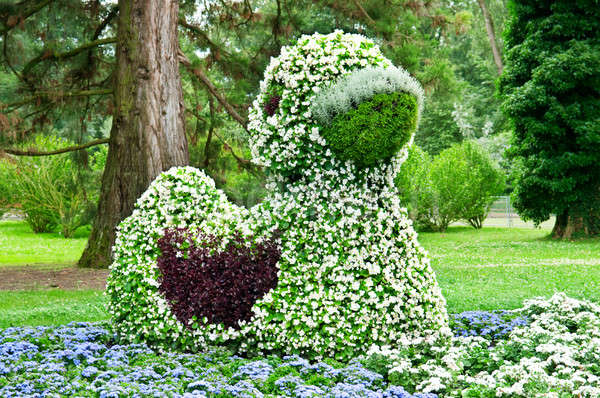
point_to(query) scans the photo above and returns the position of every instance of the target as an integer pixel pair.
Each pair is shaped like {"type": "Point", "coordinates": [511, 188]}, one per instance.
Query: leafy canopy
{"type": "Point", "coordinates": [552, 97]}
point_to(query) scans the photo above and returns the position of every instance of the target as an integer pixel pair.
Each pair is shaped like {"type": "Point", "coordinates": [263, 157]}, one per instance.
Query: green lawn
{"type": "Point", "coordinates": [19, 246]}
{"type": "Point", "coordinates": [500, 267]}
{"type": "Point", "coordinates": [494, 268]}
{"type": "Point", "coordinates": [50, 307]}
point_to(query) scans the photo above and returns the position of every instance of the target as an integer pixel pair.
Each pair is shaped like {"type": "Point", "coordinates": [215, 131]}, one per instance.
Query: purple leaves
{"type": "Point", "coordinates": [221, 285]}
{"type": "Point", "coordinates": [272, 104]}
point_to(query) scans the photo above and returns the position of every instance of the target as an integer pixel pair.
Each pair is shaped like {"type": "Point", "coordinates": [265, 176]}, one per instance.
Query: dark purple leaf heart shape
{"type": "Point", "coordinates": [221, 285]}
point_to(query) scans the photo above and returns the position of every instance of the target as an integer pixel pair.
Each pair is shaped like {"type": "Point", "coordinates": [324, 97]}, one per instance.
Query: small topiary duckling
{"type": "Point", "coordinates": [331, 127]}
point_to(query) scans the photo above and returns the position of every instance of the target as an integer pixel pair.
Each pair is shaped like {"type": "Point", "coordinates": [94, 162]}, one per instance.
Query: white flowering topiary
{"type": "Point", "coordinates": [351, 273]}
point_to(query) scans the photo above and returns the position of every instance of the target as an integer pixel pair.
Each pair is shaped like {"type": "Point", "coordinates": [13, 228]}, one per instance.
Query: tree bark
{"type": "Point", "coordinates": [148, 134]}
{"type": "Point", "coordinates": [489, 27]}
{"type": "Point", "coordinates": [568, 226]}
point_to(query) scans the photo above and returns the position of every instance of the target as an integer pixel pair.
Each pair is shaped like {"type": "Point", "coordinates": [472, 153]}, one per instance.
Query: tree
{"type": "Point", "coordinates": [68, 68]}
{"type": "Point", "coordinates": [489, 27]}
{"type": "Point", "coordinates": [148, 132]}
{"type": "Point", "coordinates": [551, 95]}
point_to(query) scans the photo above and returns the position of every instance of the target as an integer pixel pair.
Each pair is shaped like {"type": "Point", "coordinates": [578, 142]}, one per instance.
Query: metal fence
{"type": "Point", "coordinates": [502, 214]}
{"type": "Point", "coordinates": [502, 209]}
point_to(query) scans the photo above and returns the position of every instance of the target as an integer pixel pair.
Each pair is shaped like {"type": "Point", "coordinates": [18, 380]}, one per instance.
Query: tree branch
{"type": "Point", "coordinates": [213, 46]}
{"type": "Point", "coordinates": [244, 163]}
{"type": "Point", "coordinates": [198, 73]}
{"type": "Point", "coordinates": [83, 93]}
{"type": "Point", "coordinates": [364, 12]}
{"type": "Point", "coordinates": [45, 56]}
{"type": "Point", "coordinates": [111, 15]}
{"type": "Point", "coordinates": [17, 152]}
{"type": "Point", "coordinates": [489, 27]}
{"type": "Point", "coordinates": [10, 24]}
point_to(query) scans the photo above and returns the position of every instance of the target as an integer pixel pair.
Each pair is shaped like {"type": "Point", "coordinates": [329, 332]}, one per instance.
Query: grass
{"type": "Point", "coordinates": [494, 268]}
{"type": "Point", "coordinates": [497, 268]}
{"type": "Point", "coordinates": [50, 307]}
{"type": "Point", "coordinates": [20, 246]}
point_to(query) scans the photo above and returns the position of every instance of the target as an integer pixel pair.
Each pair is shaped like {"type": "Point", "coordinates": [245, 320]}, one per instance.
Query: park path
{"type": "Point", "coordinates": [32, 277]}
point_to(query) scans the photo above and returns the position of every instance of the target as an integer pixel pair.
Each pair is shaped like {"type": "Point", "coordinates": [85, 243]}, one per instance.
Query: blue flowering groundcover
{"type": "Point", "coordinates": [81, 359]}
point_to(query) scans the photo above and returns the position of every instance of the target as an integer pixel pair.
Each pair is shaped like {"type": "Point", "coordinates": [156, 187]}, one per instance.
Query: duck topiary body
{"type": "Point", "coordinates": [331, 127]}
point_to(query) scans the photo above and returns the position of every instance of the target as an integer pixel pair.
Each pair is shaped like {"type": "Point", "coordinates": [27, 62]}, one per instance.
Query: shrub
{"type": "Point", "coordinates": [219, 285]}
{"type": "Point", "coordinates": [55, 190]}
{"type": "Point", "coordinates": [465, 181]}
{"type": "Point", "coordinates": [415, 187]}
{"type": "Point", "coordinates": [7, 196]}
{"type": "Point", "coordinates": [375, 130]}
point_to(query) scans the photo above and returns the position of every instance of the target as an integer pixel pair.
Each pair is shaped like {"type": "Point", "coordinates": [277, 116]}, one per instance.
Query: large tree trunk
{"type": "Point", "coordinates": [568, 226]}
{"type": "Point", "coordinates": [147, 135]}
{"type": "Point", "coordinates": [489, 27]}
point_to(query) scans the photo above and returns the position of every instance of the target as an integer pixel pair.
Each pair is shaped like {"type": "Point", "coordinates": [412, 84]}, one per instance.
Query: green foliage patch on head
{"type": "Point", "coordinates": [375, 130]}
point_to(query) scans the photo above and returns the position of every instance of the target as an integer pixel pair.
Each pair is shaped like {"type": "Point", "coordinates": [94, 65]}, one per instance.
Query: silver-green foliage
{"type": "Point", "coordinates": [346, 94]}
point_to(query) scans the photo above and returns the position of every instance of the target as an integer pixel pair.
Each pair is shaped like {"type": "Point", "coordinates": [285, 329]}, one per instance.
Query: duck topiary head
{"type": "Point", "coordinates": [333, 104]}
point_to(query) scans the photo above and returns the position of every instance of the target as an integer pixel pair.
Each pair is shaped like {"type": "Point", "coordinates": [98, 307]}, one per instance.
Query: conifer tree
{"type": "Point", "coordinates": [551, 88]}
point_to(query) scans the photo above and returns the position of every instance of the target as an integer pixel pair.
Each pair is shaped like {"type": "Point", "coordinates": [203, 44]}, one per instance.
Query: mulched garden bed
{"type": "Point", "coordinates": [32, 277]}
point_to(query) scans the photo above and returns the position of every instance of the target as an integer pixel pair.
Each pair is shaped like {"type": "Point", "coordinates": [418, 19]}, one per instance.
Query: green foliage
{"type": "Point", "coordinates": [438, 130]}
{"type": "Point", "coordinates": [376, 130]}
{"type": "Point", "coordinates": [466, 181]}
{"type": "Point", "coordinates": [551, 96]}
{"type": "Point", "coordinates": [243, 187]}
{"type": "Point", "coordinates": [56, 190]}
{"type": "Point", "coordinates": [7, 199]}
{"type": "Point", "coordinates": [416, 190]}
{"type": "Point", "coordinates": [459, 184]}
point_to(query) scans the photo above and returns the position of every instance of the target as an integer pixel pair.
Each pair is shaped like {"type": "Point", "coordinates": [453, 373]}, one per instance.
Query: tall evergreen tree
{"type": "Point", "coordinates": [148, 131]}
{"type": "Point", "coordinates": [551, 85]}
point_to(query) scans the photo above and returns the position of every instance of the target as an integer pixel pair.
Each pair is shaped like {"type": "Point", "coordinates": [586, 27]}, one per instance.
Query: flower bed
{"type": "Point", "coordinates": [549, 348]}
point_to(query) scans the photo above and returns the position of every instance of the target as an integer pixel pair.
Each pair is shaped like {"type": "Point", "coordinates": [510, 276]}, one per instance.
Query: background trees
{"type": "Point", "coordinates": [60, 69]}
{"type": "Point", "coordinates": [550, 84]}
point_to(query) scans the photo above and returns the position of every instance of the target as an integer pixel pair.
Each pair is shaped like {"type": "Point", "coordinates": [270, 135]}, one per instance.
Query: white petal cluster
{"type": "Point", "coordinates": [556, 355]}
